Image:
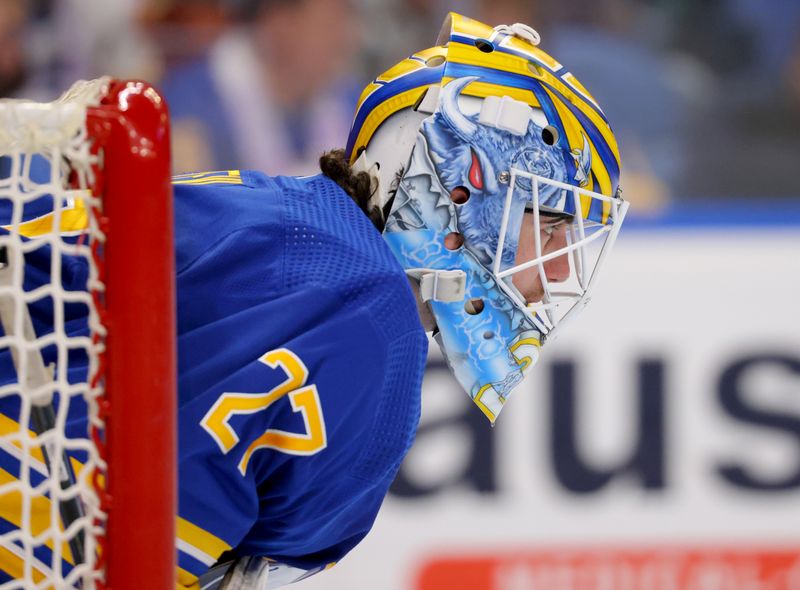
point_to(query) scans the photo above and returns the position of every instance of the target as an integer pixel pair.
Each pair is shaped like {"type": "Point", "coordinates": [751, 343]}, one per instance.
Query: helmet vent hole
{"type": "Point", "coordinates": [484, 45]}
{"type": "Point", "coordinates": [550, 135]}
{"type": "Point", "coordinates": [474, 306]}
{"type": "Point", "coordinates": [459, 195]}
{"type": "Point", "coordinates": [453, 241]}
{"type": "Point", "coordinates": [536, 69]}
{"type": "Point", "coordinates": [435, 61]}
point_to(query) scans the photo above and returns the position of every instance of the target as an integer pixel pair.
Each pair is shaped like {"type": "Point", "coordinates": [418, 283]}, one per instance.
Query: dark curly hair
{"type": "Point", "coordinates": [358, 185]}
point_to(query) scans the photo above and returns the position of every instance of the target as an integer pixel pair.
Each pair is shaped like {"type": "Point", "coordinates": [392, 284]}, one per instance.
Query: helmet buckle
{"type": "Point", "coordinates": [447, 286]}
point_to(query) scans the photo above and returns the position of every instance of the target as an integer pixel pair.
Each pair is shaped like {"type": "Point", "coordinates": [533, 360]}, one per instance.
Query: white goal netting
{"type": "Point", "coordinates": [52, 465]}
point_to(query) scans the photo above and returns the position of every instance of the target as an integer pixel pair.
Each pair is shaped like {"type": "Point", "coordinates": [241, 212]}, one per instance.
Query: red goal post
{"type": "Point", "coordinates": [106, 147]}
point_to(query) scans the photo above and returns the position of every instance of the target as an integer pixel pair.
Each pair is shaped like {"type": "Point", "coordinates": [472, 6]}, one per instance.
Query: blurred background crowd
{"type": "Point", "coordinates": [704, 95]}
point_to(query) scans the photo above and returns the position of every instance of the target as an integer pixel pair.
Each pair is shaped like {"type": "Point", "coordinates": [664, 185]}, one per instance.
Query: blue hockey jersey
{"type": "Point", "coordinates": [300, 357]}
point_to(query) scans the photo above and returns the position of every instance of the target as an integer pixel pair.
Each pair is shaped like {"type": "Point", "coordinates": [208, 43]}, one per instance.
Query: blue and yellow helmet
{"type": "Point", "coordinates": [505, 65]}
{"type": "Point", "coordinates": [485, 146]}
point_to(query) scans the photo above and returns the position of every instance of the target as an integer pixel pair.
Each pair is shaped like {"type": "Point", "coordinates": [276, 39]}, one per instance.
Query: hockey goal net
{"type": "Point", "coordinates": [87, 362]}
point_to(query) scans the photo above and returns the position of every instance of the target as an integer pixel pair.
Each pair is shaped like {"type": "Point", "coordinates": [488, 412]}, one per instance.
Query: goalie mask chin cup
{"type": "Point", "coordinates": [520, 137]}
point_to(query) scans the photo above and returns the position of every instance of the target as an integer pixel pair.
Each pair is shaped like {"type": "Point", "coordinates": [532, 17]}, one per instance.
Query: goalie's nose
{"type": "Point", "coordinates": [557, 270]}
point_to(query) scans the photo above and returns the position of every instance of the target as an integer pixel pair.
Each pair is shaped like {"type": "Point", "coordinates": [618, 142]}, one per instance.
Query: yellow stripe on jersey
{"type": "Point", "coordinates": [200, 178]}
{"type": "Point", "coordinates": [74, 219]}
{"type": "Point", "coordinates": [9, 426]}
{"type": "Point", "coordinates": [205, 181]}
{"type": "Point", "coordinates": [14, 566]}
{"type": "Point", "coordinates": [199, 538]}
{"type": "Point", "coordinates": [11, 503]}
{"type": "Point", "coordinates": [186, 580]}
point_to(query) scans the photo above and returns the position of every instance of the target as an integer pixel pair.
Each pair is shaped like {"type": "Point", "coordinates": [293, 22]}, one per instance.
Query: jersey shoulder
{"type": "Point", "coordinates": [307, 232]}
{"type": "Point", "coordinates": [347, 252]}
{"type": "Point", "coordinates": [210, 206]}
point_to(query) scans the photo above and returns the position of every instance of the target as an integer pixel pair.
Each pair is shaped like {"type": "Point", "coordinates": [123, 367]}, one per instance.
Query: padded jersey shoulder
{"type": "Point", "coordinates": [348, 252]}
{"type": "Point", "coordinates": [210, 206]}
{"type": "Point", "coordinates": [309, 228]}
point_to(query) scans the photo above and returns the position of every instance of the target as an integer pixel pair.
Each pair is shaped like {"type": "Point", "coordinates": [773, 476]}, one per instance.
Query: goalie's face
{"type": "Point", "coordinates": [553, 237]}
{"type": "Point", "coordinates": [564, 234]}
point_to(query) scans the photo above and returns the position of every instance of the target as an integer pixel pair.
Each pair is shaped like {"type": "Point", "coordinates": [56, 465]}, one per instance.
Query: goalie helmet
{"type": "Point", "coordinates": [485, 146]}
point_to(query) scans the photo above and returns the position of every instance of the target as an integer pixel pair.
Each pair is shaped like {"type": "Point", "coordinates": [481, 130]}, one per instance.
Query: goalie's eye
{"type": "Point", "coordinates": [475, 172]}
{"type": "Point", "coordinates": [550, 226]}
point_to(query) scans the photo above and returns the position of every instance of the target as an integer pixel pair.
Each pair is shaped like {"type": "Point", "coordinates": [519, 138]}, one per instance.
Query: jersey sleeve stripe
{"type": "Point", "coordinates": [186, 580]}
{"type": "Point", "coordinates": [13, 448]}
{"type": "Point", "coordinates": [74, 220]}
{"type": "Point", "coordinates": [229, 177]}
{"type": "Point", "coordinates": [193, 541]}
{"type": "Point", "coordinates": [11, 511]}
{"type": "Point", "coordinates": [37, 466]}
{"type": "Point", "coordinates": [195, 553]}
{"type": "Point", "coordinates": [203, 175]}
{"type": "Point", "coordinates": [12, 561]}
{"type": "Point", "coordinates": [206, 181]}
{"type": "Point", "coordinates": [190, 564]}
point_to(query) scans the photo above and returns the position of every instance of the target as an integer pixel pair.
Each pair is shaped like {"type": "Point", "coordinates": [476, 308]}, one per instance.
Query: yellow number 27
{"type": "Point", "coordinates": [304, 399]}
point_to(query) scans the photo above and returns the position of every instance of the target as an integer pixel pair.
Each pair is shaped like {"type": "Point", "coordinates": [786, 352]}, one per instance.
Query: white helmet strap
{"type": "Point", "coordinates": [506, 113]}
{"type": "Point", "coordinates": [440, 285]}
